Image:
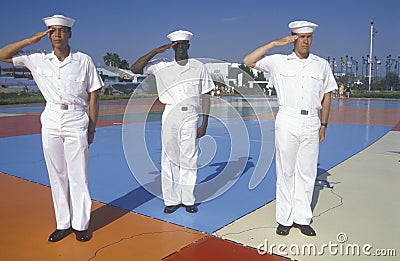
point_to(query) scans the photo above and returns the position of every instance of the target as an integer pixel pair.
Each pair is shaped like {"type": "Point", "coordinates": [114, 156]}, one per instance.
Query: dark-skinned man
{"type": "Point", "coordinates": [183, 85]}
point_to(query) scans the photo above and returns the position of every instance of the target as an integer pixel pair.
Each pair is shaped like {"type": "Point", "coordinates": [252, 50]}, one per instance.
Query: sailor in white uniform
{"type": "Point", "coordinates": [303, 83]}
{"type": "Point", "coordinates": [183, 85]}
{"type": "Point", "coordinates": [68, 80]}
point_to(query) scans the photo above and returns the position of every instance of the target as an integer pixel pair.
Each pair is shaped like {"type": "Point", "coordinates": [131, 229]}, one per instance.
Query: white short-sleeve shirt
{"type": "Point", "coordinates": [66, 82]}
{"type": "Point", "coordinates": [299, 83]}
{"type": "Point", "coordinates": [180, 84]}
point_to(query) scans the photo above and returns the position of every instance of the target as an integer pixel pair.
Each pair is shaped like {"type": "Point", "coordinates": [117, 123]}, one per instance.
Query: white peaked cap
{"type": "Point", "coordinates": [180, 36]}
{"type": "Point", "coordinates": [302, 27]}
{"type": "Point", "coordinates": [58, 20]}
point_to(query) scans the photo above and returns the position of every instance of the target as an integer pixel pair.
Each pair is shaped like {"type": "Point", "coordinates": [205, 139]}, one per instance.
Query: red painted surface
{"type": "Point", "coordinates": [19, 125]}
{"type": "Point", "coordinates": [212, 248]}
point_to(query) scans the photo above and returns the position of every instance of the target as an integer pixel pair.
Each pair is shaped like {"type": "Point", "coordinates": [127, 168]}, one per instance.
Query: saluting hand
{"type": "Point", "coordinates": [163, 48]}
{"type": "Point", "coordinates": [285, 40]}
{"type": "Point", "coordinates": [38, 36]}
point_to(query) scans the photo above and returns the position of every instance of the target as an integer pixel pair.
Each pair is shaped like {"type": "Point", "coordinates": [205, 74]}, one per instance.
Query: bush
{"type": "Point", "coordinates": [20, 98]}
{"type": "Point", "coordinates": [376, 94]}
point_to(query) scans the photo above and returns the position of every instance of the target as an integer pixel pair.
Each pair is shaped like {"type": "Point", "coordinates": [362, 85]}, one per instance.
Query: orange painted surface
{"type": "Point", "coordinates": [27, 219]}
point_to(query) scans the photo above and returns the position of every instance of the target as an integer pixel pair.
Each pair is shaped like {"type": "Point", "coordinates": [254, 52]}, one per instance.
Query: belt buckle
{"type": "Point", "coordinates": [304, 112]}
{"type": "Point", "coordinates": [64, 106]}
{"type": "Point", "coordinates": [184, 108]}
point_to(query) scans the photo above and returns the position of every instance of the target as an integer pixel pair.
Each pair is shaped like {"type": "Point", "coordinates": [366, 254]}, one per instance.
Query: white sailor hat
{"type": "Point", "coordinates": [302, 27]}
{"type": "Point", "coordinates": [180, 35]}
{"type": "Point", "coordinates": [58, 20]}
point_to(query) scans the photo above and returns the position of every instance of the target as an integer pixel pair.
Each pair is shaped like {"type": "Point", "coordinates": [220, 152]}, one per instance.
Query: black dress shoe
{"type": "Point", "coordinates": [191, 209]}
{"type": "Point", "coordinates": [83, 235]}
{"type": "Point", "coordinates": [59, 234]}
{"type": "Point", "coordinates": [283, 230]}
{"type": "Point", "coordinates": [305, 229]}
{"type": "Point", "coordinates": [171, 209]}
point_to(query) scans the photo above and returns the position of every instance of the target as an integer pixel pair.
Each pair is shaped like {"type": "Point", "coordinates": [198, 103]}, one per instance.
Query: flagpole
{"type": "Point", "coordinates": [370, 56]}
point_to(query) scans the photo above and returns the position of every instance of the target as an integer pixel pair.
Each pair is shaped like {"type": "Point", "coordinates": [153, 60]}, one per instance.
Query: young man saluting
{"type": "Point", "coordinates": [180, 85]}
{"type": "Point", "coordinates": [303, 82]}
{"type": "Point", "coordinates": [68, 80]}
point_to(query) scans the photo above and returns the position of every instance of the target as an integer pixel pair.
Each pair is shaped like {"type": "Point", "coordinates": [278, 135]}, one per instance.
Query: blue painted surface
{"type": "Point", "coordinates": [111, 180]}
{"type": "Point", "coordinates": [22, 109]}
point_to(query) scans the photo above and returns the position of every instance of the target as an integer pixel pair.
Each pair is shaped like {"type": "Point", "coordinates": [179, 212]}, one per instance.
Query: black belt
{"type": "Point", "coordinates": [304, 112]}
{"type": "Point", "coordinates": [64, 107]}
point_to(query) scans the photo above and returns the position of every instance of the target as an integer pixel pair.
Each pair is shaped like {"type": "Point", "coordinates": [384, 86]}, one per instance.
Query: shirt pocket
{"type": "Point", "coordinates": [76, 85]}
{"type": "Point", "coordinates": [317, 88]}
{"type": "Point", "coordinates": [317, 81]}
{"type": "Point", "coordinates": [192, 88]}
{"type": "Point", "coordinates": [44, 75]}
{"type": "Point", "coordinates": [45, 80]}
{"type": "Point", "coordinates": [289, 79]}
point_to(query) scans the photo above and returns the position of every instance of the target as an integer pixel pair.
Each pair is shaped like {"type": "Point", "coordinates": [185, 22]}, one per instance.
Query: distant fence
{"type": "Point", "coordinates": [15, 72]}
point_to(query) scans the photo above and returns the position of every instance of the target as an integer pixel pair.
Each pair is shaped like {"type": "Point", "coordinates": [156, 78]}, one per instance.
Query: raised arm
{"type": "Point", "coordinates": [8, 51]}
{"type": "Point", "coordinates": [252, 58]}
{"type": "Point", "coordinates": [138, 66]}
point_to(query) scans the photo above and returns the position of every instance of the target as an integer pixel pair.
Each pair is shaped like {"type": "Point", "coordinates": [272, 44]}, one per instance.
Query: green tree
{"type": "Point", "coordinates": [260, 76]}
{"type": "Point", "coordinates": [393, 82]}
{"type": "Point", "coordinates": [113, 59]}
{"type": "Point", "coordinates": [124, 65]}
{"type": "Point", "coordinates": [247, 70]}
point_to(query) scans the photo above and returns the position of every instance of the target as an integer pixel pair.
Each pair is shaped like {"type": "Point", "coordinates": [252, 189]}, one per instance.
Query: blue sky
{"type": "Point", "coordinates": [225, 30]}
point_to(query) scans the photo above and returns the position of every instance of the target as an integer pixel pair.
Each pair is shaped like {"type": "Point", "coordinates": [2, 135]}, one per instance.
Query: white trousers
{"type": "Point", "coordinates": [65, 148]}
{"type": "Point", "coordinates": [179, 155]}
{"type": "Point", "coordinates": [297, 148]}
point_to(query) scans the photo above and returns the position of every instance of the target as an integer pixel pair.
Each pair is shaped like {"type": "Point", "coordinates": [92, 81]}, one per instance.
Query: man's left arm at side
{"type": "Point", "coordinates": [205, 105]}
{"type": "Point", "coordinates": [93, 114]}
{"type": "Point", "coordinates": [326, 106]}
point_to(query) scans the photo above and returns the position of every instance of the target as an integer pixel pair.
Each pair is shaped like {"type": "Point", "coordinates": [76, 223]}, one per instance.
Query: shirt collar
{"type": "Point", "coordinates": [293, 56]}
{"type": "Point", "coordinates": [186, 67]}
{"type": "Point", "coordinates": [52, 56]}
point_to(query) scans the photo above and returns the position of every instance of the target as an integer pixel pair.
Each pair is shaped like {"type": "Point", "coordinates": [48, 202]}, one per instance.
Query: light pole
{"type": "Point", "coordinates": [396, 79]}
{"type": "Point", "coordinates": [365, 76]}
{"type": "Point", "coordinates": [370, 55]}
{"type": "Point", "coordinates": [388, 64]}
{"type": "Point", "coordinates": [376, 63]}
{"type": "Point", "coordinates": [356, 65]}
{"type": "Point", "coordinates": [347, 77]}
{"type": "Point", "coordinates": [341, 69]}
{"type": "Point", "coordinates": [398, 73]}
{"type": "Point", "coordinates": [351, 69]}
